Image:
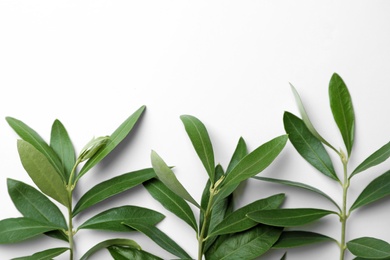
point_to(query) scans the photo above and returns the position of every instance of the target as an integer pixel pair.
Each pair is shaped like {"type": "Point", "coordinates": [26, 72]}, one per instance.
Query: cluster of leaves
{"type": "Point", "coordinates": [53, 168]}
{"type": "Point", "coordinates": [311, 146]}
{"type": "Point", "coordinates": [222, 232]}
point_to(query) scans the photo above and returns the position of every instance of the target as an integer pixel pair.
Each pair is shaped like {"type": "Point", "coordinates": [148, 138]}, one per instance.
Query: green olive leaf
{"type": "Point", "coordinates": [111, 187]}
{"type": "Point", "coordinates": [288, 217]}
{"type": "Point", "coordinates": [63, 147]}
{"type": "Point", "coordinates": [200, 139]}
{"type": "Point", "coordinates": [160, 238]}
{"type": "Point", "coordinates": [116, 137]}
{"type": "Point", "coordinates": [111, 242]}
{"type": "Point", "coordinates": [377, 189]}
{"type": "Point", "coordinates": [369, 247]}
{"type": "Point", "coordinates": [13, 230]}
{"type": "Point", "coordinates": [379, 156]}
{"type": "Point", "coordinates": [42, 172]}
{"type": "Point", "coordinates": [290, 239]}
{"type": "Point", "coordinates": [308, 146]}
{"type": "Point", "coordinates": [125, 253]}
{"type": "Point", "coordinates": [32, 137]}
{"type": "Point", "coordinates": [240, 152]}
{"type": "Point", "coordinates": [166, 176]}
{"type": "Point", "coordinates": [113, 219]}
{"type": "Point", "coordinates": [171, 201]}
{"type": "Point", "coordinates": [46, 254]}
{"type": "Point", "coordinates": [342, 110]}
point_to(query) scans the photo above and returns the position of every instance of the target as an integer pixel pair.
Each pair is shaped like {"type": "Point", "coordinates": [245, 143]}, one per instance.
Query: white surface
{"type": "Point", "coordinates": [92, 63]}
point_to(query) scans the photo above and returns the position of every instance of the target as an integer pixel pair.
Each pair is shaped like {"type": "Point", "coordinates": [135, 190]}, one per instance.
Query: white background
{"type": "Point", "coordinates": [93, 63]}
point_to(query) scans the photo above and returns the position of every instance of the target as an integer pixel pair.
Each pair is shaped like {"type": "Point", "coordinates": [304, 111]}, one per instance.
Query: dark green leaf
{"type": "Point", "coordinates": [288, 217]}
{"type": "Point", "coordinates": [32, 137]}
{"type": "Point", "coordinates": [112, 187]}
{"type": "Point", "coordinates": [160, 238]}
{"type": "Point", "coordinates": [308, 146]}
{"type": "Point", "coordinates": [200, 139]}
{"type": "Point", "coordinates": [298, 185]}
{"type": "Point", "coordinates": [58, 234]}
{"type": "Point", "coordinates": [116, 137]}
{"type": "Point", "coordinates": [289, 239]}
{"type": "Point", "coordinates": [44, 255]}
{"type": "Point", "coordinates": [111, 242]}
{"type": "Point", "coordinates": [248, 244]}
{"type": "Point", "coordinates": [14, 230]}
{"type": "Point", "coordinates": [112, 219]}
{"type": "Point", "coordinates": [379, 156]}
{"type": "Point", "coordinates": [377, 189]}
{"type": "Point", "coordinates": [284, 256]}
{"type": "Point", "coordinates": [369, 247]}
{"type": "Point", "coordinates": [238, 221]}
{"type": "Point", "coordinates": [126, 253]}
{"type": "Point", "coordinates": [171, 201]}
{"type": "Point", "coordinates": [33, 204]}
{"type": "Point", "coordinates": [166, 176]}
{"type": "Point", "coordinates": [342, 109]}
{"type": "Point", "coordinates": [255, 162]}
{"type": "Point", "coordinates": [239, 153]}
{"type": "Point", "coordinates": [306, 120]}
{"type": "Point", "coordinates": [42, 172]}
{"type": "Point", "coordinates": [62, 145]}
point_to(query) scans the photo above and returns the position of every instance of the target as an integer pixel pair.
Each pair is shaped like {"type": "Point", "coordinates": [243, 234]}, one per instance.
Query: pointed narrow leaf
{"type": "Point", "coordinates": [43, 255]}
{"type": "Point", "coordinates": [125, 253]}
{"type": "Point", "coordinates": [42, 172]}
{"type": "Point", "coordinates": [160, 238]}
{"type": "Point", "coordinates": [63, 147]}
{"type": "Point", "coordinates": [290, 239]}
{"type": "Point", "coordinates": [379, 156]}
{"type": "Point", "coordinates": [111, 187]}
{"type": "Point", "coordinates": [200, 139]}
{"type": "Point", "coordinates": [377, 189]}
{"type": "Point", "coordinates": [298, 185]}
{"type": "Point", "coordinates": [116, 137]}
{"type": "Point", "coordinates": [306, 120]}
{"type": "Point", "coordinates": [32, 137]}
{"type": "Point", "coordinates": [14, 230]}
{"type": "Point", "coordinates": [111, 242]}
{"type": "Point", "coordinates": [112, 219]}
{"type": "Point", "coordinates": [166, 176]}
{"type": "Point", "coordinates": [369, 247]}
{"type": "Point", "coordinates": [248, 244]}
{"type": "Point", "coordinates": [238, 221]}
{"type": "Point", "coordinates": [172, 202]}
{"type": "Point", "coordinates": [342, 110]}
{"type": "Point", "coordinates": [288, 217]}
{"type": "Point", "coordinates": [255, 162]}
{"type": "Point", "coordinates": [308, 146]}
{"type": "Point", "coordinates": [284, 256]}
{"type": "Point", "coordinates": [239, 153]}
{"type": "Point", "coordinates": [33, 204]}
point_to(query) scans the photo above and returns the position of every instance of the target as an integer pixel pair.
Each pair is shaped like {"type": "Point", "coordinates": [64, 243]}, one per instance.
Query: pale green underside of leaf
{"type": "Point", "coordinates": [166, 176]}
{"type": "Point", "coordinates": [291, 239]}
{"type": "Point", "coordinates": [13, 230]}
{"type": "Point", "coordinates": [200, 139]}
{"type": "Point", "coordinates": [160, 238]}
{"type": "Point", "coordinates": [308, 146]}
{"type": "Point", "coordinates": [377, 189]}
{"type": "Point", "coordinates": [379, 156]}
{"type": "Point", "coordinates": [342, 110]}
{"type": "Point", "coordinates": [288, 217]}
{"type": "Point", "coordinates": [369, 247]}
{"type": "Point", "coordinates": [116, 137]}
{"type": "Point", "coordinates": [32, 137]}
{"type": "Point", "coordinates": [42, 172]}
{"type": "Point", "coordinates": [44, 255]}
{"type": "Point", "coordinates": [171, 201]}
{"type": "Point", "coordinates": [111, 242]}
{"type": "Point", "coordinates": [112, 219]}
{"type": "Point", "coordinates": [111, 187]}
{"type": "Point", "coordinates": [126, 253]}
{"type": "Point", "coordinates": [298, 185]}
